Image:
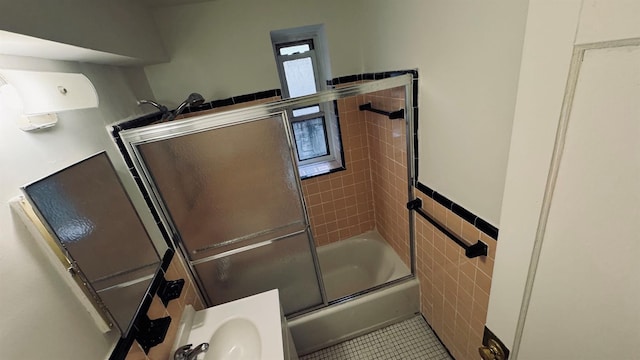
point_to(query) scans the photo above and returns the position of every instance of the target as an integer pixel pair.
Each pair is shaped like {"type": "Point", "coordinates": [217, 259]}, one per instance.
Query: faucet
{"type": "Point", "coordinates": [187, 353]}
{"type": "Point", "coordinates": [194, 99]}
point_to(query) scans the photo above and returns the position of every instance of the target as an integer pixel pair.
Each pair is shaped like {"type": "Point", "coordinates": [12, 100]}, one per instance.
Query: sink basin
{"type": "Point", "coordinates": [245, 329]}
{"type": "Point", "coordinates": [235, 339]}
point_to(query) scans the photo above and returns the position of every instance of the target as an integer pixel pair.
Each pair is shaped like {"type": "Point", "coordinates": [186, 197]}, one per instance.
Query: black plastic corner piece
{"type": "Point", "coordinates": [414, 204]}
{"type": "Point", "coordinates": [477, 249]}
{"type": "Point", "coordinates": [398, 114]}
{"type": "Point", "coordinates": [170, 290]}
{"type": "Point", "coordinates": [151, 332]}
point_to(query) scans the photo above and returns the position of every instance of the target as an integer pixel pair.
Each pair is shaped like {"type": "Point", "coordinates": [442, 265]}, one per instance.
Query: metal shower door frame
{"type": "Point", "coordinates": [132, 138]}
{"type": "Point", "coordinates": [136, 137]}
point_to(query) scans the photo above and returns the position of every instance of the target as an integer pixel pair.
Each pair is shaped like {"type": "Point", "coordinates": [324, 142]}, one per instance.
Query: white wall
{"type": "Point", "coordinates": [117, 26]}
{"type": "Point", "coordinates": [468, 54]}
{"type": "Point", "coordinates": [593, 221]}
{"type": "Point", "coordinates": [40, 317]}
{"type": "Point", "coordinates": [547, 50]}
{"type": "Point", "coordinates": [223, 48]}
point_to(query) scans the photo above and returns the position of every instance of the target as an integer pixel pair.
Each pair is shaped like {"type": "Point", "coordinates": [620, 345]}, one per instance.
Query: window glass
{"type": "Point", "coordinates": [290, 50]}
{"type": "Point", "coordinates": [300, 77]}
{"type": "Point", "coordinates": [303, 64]}
{"type": "Point", "coordinates": [311, 139]}
{"type": "Point", "coordinates": [306, 110]}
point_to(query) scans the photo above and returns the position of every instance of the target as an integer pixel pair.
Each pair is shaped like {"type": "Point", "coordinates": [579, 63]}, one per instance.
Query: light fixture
{"type": "Point", "coordinates": [43, 94]}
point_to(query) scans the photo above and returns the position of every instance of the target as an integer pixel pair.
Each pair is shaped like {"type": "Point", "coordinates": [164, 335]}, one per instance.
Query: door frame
{"type": "Point", "coordinates": [556, 38]}
{"type": "Point", "coordinates": [554, 168]}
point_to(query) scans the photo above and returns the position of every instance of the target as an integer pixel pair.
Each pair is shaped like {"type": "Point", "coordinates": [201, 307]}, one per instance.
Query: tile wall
{"type": "Point", "coordinates": [388, 160]}
{"type": "Point", "coordinates": [454, 290]}
{"type": "Point", "coordinates": [372, 191]}
{"type": "Point", "coordinates": [174, 309]}
{"type": "Point", "coordinates": [340, 204]}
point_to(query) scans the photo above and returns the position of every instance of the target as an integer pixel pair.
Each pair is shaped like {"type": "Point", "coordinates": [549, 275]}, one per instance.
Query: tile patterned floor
{"type": "Point", "coordinates": [411, 339]}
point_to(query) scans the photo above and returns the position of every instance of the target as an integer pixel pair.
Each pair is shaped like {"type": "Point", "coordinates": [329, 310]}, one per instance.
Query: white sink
{"type": "Point", "coordinates": [249, 328]}
{"type": "Point", "coordinates": [236, 339]}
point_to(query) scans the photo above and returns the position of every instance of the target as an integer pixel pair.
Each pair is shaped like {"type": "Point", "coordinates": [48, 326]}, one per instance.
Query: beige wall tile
{"type": "Point", "coordinates": [454, 222]}
{"type": "Point", "coordinates": [492, 243]}
{"type": "Point", "coordinates": [465, 283]}
{"type": "Point", "coordinates": [485, 264]}
{"type": "Point", "coordinates": [370, 188]}
{"type": "Point", "coordinates": [136, 352]}
{"type": "Point", "coordinates": [439, 213]}
{"type": "Point", "coordinates": [157, 309]}
{"type": "Point", "coordinates": [456, 298]}
{"type": "Point", "coordinates": [483, 281]}
{"type": "Point", "coordinates": [470, 233]}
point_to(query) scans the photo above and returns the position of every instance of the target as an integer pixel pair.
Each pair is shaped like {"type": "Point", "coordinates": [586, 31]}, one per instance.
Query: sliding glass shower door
{"type": "Point", "coordinates": [230, 191]}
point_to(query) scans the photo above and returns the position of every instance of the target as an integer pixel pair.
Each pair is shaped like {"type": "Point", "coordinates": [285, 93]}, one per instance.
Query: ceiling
{"type": "Point", "coordinates": [22, 45]}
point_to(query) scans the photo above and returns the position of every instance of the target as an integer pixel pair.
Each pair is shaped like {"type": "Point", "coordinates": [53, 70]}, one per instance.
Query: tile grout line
{"type": "Point", "coordinates": [409, 339]}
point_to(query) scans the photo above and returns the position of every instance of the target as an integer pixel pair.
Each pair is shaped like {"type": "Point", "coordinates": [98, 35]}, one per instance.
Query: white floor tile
{"type": "Point", "coordinates": [411, 339]}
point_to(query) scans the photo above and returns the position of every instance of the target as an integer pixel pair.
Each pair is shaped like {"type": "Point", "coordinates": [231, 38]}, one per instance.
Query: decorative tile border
{"type": "Point", "coordinates": [234, 100]}
{"type": "Point", "coordinates": [372, 76]}
{"type": "Point", "coordinates": [124, 344]}
{"type": "Point", "coordinates": [465, 214]}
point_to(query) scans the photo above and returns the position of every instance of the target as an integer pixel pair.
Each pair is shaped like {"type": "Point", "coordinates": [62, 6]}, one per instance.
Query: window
{"type": "Point", "coordinates": [303, 67]}
{"type": "Point", "coordinates": [311, 138]}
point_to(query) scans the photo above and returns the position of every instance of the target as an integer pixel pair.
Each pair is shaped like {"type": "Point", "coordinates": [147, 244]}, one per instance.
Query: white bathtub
{"type": "Point", "coordinates": [350, 266]}
{"type": "Point", "coordinates": [357, 264]}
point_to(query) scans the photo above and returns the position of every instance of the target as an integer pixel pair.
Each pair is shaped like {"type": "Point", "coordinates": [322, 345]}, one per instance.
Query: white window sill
{"type": "Point", "coordinates": [319, 168]}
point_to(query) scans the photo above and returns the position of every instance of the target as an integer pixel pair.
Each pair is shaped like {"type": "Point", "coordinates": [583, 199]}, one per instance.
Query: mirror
{"type": "Point", "coordinates": [93, 221]}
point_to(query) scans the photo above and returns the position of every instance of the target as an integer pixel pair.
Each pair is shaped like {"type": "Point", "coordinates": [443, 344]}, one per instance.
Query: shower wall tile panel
{"type": "Point", "coordinates": [372, 192]}
{"type": "Point", "coordinates": [388, 161]}
{"type": "Point", "coordinates": [454, 289]}
{"type": "Point", "coordinates": [340, 204]}
{"type": "Point", "coordinates": [189, 296]}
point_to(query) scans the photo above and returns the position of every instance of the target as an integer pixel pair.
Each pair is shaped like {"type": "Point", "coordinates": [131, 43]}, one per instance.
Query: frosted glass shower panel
{"type": "Point", "coordinates": [285, 264]}
{"type": "Point", "coordinates": [228, 187]}
{"type": "Point", "coordinates": [87, 209]}
{"type": "Point", "coordinates": [233, 196]}
{"type": "Point", "coordinates": [95, 224]}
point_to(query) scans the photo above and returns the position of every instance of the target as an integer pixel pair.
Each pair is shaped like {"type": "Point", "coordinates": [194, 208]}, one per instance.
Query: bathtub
{"type": "Point", "coordinates": [357, 264]}
{"type": "Point", "coordinates": [348, 267]}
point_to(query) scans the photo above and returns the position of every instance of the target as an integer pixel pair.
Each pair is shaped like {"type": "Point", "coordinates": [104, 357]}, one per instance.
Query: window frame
{"type": "Point", "coordinates": [314, 36]}
{"type": "Point", "coordinates": [281, 45]}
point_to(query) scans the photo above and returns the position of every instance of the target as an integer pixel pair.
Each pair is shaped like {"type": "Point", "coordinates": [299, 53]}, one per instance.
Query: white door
{"type": "Point", "coordinates": [567, 276]}
{"type": "Point", "coordinates": [586, 292]}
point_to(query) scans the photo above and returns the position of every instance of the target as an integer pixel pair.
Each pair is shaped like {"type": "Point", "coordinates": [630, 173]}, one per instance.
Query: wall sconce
{"type": "Point", "coordinates": [43, 94]}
